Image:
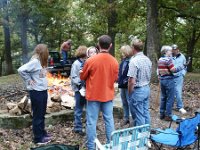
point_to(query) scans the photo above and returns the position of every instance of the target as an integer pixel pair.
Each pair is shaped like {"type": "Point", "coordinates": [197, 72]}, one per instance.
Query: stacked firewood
{"type": "Point", "coordinates": [22, 107]}
{"type": "Point", "coordinates": [55, 103]}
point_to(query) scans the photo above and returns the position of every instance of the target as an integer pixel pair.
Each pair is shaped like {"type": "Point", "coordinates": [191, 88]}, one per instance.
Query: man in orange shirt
{"type": "Point", "coordinates": [100, 72]}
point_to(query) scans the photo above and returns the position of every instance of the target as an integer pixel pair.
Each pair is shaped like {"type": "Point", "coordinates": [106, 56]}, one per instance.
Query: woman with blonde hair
{"type": "Point", "coordinates": [34, 75]}
{"type": "Point", "coordinates": [127, 53]}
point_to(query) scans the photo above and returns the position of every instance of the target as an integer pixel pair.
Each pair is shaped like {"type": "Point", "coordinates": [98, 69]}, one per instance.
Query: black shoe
{"type": "Point", "coordinates": [44, 140]}
{"type": "Point", "coordinates": [168, 118]}
{"type": "Point", "coordinates": [162, 117]}
{"type": "Point", "coordinates": [125, 122]}
{"type": "Point", "coordinates": [79, 132]}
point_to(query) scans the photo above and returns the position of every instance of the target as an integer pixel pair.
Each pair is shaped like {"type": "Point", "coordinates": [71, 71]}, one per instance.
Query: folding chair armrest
{"type": "Point", "coordinates": [177, 119]}
{"type": "Point", "coordinates": [158, 130]}
{"type": "Point", "coordinates": [98, 145]}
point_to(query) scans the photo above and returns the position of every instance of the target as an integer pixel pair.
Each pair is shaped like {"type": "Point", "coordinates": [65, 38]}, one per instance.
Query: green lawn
{"type": "Point", "coordinates": [193, 76]}
{"type": "Point", "coordinates": [15, 78]}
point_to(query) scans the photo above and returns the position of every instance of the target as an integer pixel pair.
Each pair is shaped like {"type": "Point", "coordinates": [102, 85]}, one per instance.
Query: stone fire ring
{"type": "Point", "coordinates": [8, 121]}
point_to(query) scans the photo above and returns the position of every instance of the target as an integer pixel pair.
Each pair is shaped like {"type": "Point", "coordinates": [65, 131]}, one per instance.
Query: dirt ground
{"type": "Point", "coordinates": [21, 139]}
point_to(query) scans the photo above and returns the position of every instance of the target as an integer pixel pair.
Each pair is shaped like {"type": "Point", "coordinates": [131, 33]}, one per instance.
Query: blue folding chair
{"type": "Point", "coordinates": [134, 138]}
{"type": "Point", "coordinates": [186, 134]}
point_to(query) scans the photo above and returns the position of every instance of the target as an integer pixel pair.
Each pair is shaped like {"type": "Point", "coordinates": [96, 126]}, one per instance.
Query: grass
{"type": "Point", "coordinates": [14, 78]}
{"type": "Point", "coordinates": [193, 76]}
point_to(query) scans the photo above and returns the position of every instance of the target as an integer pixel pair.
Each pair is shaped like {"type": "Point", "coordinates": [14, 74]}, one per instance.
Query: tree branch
{"type": "Point", "coordinates": [180, 14]}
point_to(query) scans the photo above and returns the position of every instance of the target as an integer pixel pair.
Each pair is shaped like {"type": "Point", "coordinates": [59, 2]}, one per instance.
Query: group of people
{"type": "Point", "coordinates": [100, 72]}
{"type": "Point", "coordinates": [93, 75]}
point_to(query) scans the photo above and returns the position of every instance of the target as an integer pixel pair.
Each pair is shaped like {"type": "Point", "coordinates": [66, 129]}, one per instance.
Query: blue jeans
{"type": "Point", "coordinates": [78, 111]}
{"type": "Point", "coordinates": [139, 105]}
{"type": "Point", "coordinates": [178, 94]}
{"type": "Point", "coordinates": [125, 102]}
{"type": "Point", "coordinates": [64, 56]}
{"type": "Point", "coordinates": [38, 104]}
{"type": "Point", "coordinates": [93, 108]}
{"type": "Point", "coordinates": [167, 96]}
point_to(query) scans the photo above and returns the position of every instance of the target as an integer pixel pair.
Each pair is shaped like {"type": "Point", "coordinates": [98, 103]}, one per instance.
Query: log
{"type": "Point", "coordinates": [49, 101]}
{"type": "Point", "coordinates": [67, 101]}
{"type": "Point", "coordinates": [11, 106]}
{"type": "Point", "coordinates": [15, 111]}
{"type": "Point", "coordinates": [55, 108]}
{"type": "Point", "coordinates": [56, 97]}
{"type": "Point", "coordinates": [27, 108]}
{"type": "Point", "coordinates": [23, 102]}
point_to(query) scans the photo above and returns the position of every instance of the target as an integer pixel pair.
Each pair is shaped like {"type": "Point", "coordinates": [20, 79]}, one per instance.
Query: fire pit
{"type": "Point", "coordinates": [59, 105]}
{"type": "Point", "coordinates": [59, 108]}
{"type": "Point", "coordinates": [60, 93]}
{"type": "Point", "coordinates": [60, 97]}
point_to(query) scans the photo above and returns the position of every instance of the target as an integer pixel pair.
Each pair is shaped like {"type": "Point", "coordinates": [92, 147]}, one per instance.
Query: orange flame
{"type": "Point", "coordinates": [58, 84]}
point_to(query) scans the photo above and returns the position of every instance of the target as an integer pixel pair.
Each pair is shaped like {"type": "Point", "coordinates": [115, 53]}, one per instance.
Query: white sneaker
{"type": "Point", "coordinates": [183, 111]}
{"type": "Point", "coordinates": [148, 144]}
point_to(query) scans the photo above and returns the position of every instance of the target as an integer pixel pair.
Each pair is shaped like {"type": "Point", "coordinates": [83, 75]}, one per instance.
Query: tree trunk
{"type": "Point", "coordinates": [7, 43]}
{"type": "Point", "coordinates": [112, 22]}
{"type": "Point", "coordinates": [191, 44]}
{"type": "Point", "coordinates": [8, 58]}
{"type": "Point", "coordinates": [153, 41]}
{"type": "Point", "coordinates": [23, 29]}
{"type": "Point", "coordinates": [190, 49]}
{"type": "Point", "coordinates": [1, 63]}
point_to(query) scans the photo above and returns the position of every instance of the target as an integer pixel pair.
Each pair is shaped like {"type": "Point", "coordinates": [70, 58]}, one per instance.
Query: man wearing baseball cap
{"type": "Point", "coordinates": [179, 60]}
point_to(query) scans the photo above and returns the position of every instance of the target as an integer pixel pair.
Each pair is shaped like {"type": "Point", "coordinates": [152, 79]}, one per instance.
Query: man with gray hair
{"type": "Point", "coordinates": [139, 74]}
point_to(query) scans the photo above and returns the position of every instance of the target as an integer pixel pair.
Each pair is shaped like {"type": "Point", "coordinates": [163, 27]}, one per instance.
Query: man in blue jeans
{"type": "Point", "coordinates": [65, 47]}
{"type": "Point", "coordinates": [138, 84]}
{"type": "Point", "coordinates": [100, 73]}
{"type": "Point", "coordinates": [179, 60]}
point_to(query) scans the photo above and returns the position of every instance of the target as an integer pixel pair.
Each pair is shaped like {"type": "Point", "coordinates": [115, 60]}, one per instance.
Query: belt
{"type": "Point", "coordinates": [140, 86]}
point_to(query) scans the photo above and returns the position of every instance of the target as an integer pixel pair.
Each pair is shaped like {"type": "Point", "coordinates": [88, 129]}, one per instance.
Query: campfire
{"type": "Point", "coordinates": [60, 96]}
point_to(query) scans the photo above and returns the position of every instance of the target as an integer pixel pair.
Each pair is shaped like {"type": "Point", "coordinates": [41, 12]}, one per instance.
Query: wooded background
{"type": "Point", "coordinates": [25, 23]}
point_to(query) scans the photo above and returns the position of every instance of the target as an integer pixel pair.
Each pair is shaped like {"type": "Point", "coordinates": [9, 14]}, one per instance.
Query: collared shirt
{"type": "Point", "coordinates": [179, 60]}
{"type": "Point", "coordinates": [140, 69]}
